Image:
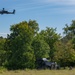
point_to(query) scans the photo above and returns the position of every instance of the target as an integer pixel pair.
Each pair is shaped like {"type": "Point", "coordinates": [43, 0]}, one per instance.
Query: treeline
{"type": "Point", "coordinates": [25, 44]}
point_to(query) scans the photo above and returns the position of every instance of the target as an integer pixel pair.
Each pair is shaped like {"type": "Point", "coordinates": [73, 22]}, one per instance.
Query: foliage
{"type": "Point", "coordinates": [2, 51]}
{"type": "Point", "coordinates": [33, 25]}
{"type": "Point", "coordinates": [41, 48]}
{"type": "Point", "coordinates": [64, 54]}
{"type": "Point", "coordinates": [50, 36]}
{"type": "Point", "coordinates": [24, 45]}
{"type": "Point", "coordinates": [69, 30]}
{"type": "Point", "coordinates": [20, 53]}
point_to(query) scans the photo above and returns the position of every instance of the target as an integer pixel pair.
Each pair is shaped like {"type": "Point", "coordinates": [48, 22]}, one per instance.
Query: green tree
{"type": "Point", "coordinates": [18, 45]}
{"type": "Point", "coordinates": [2, 51]}
{"type": "Point", "coordinates": [64, 53]}
{"type": "Point", "coordinates": [41, 48]}
{"type": "Point", "coordinates": [69, 30]}
{"type": "Point", "coordinates": [34, 26]}
{"type": "Point", "coordinates": [50, 36]}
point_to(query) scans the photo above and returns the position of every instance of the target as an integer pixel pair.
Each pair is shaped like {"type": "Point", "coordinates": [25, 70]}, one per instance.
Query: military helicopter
{"type": "Point", "coordinates": [3, 11]}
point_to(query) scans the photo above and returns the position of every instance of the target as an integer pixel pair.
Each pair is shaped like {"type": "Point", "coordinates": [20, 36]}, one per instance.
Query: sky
{"type": "Point", "coordinates": [47, 13]}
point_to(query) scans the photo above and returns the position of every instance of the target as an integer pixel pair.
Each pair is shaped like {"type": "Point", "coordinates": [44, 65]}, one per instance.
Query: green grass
{"type": "Point", "coordinates": [38, 72]}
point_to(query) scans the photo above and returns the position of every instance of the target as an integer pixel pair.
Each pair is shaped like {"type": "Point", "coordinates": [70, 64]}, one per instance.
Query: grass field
{"type": "Point", "coordinates": [38, 72]}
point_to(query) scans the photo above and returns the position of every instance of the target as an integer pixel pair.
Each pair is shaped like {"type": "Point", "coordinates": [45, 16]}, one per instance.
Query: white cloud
{"type": "Point", "coordinates": [3, 34]}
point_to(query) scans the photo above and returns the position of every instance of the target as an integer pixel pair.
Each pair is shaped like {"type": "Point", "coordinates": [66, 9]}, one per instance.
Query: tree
{"type": "Point", "coordinates": [18, 45]}
{"type": "Point", "coordinates": [2, 51]}
{"type": "Point", "coordinates": [50, 37]}
{"type": "Point", "coordinates": [41, 48]}
{"type": "Point", "coordinates": [33, 25]}
{"type": "Point", "coordinates": [69, 30]}
{"type": "Point", "coordinates": [64, 54]}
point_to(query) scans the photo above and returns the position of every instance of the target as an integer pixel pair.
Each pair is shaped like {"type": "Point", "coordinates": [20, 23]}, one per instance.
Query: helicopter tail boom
{"type": "Point", "coordinates": [14, 11]}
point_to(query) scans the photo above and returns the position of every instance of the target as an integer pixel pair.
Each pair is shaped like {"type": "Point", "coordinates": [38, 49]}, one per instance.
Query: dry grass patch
{"type": "Point", "coordinates": [39, 72]}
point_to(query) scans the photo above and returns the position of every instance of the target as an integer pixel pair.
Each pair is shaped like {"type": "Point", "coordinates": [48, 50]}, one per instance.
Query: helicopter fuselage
{"type": "Point", "coordinates": [6, 12]}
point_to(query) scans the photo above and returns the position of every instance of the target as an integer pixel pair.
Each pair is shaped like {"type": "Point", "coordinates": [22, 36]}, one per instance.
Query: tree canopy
{"type": "Point", "coordinates": [25, 44]}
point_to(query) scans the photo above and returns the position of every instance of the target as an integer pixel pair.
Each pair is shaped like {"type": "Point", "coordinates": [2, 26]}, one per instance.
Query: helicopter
{"type": "Point", "coordinates": [3, 11]}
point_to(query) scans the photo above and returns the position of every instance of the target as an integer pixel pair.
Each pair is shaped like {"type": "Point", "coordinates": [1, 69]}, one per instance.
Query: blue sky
{"type": "Point", "coordinates": [48, 13]}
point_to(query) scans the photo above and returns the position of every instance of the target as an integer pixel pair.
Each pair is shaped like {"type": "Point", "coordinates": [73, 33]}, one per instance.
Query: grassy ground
{"type": "Point", "coordinates": [38, 72]}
